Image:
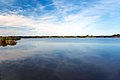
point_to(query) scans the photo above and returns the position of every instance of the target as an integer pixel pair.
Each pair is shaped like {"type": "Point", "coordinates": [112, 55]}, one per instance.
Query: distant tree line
{"type": "Point", "coordinates": [87, 36]}
{"type": "Point", "coordinates": [10, 38]}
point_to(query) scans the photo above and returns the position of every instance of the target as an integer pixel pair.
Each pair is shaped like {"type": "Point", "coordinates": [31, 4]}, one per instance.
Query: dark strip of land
{"type": "Point", "coordinates": [87, 36]}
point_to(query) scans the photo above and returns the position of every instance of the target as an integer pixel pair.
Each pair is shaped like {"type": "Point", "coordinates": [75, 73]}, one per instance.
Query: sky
{"type": "Point", "coordinates": [59, 17]}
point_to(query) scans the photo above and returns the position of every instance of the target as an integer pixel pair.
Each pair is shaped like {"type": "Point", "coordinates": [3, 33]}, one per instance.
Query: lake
{"type": "Point", "coordinates": [61, 59]}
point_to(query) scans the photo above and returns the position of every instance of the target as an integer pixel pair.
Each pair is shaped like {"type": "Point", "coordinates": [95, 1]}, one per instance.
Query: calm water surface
{"type": "Point", "coordinates": [61, 59]}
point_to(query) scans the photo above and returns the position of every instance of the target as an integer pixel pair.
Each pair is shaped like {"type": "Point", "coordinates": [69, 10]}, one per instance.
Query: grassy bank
{"type": "Point", "coordinates": [9, 38]}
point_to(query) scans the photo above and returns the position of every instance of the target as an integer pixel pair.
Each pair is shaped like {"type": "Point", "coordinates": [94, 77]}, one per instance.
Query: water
{"type": "Point", "coordinates": [61, 59]}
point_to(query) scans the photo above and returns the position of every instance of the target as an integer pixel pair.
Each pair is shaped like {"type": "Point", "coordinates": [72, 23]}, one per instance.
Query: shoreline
{"type": "Point", "coordinates": [87, 36]}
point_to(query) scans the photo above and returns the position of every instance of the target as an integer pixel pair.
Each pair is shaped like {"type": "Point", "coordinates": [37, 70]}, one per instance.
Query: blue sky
{"type": "Point", "coordinates": [59, 17]}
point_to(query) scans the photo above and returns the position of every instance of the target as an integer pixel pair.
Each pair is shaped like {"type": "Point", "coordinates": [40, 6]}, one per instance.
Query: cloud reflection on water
{"type": "Point", "coordinates": [47, 60]}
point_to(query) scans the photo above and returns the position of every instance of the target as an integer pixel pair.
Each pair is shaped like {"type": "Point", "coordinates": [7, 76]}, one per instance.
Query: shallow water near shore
{"type": "Point", "coordinates": [61, 59]}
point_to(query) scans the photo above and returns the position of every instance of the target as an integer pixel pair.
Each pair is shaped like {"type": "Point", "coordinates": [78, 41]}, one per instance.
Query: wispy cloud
{"type": "Point", "coordinates": [64, 19]}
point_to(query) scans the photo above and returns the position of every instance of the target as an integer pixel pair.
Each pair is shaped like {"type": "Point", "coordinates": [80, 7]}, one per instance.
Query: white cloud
{"type": "Point", "coordinates": [45, 25]}
{"type": "Point", "coordinates": [71, 24]}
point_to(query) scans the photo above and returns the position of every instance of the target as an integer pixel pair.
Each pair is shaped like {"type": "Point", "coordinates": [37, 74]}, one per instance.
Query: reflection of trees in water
{"type": "Point", "coordinates": [7, 42]}
{"type": "Point", "coordinates": [10, 40]}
